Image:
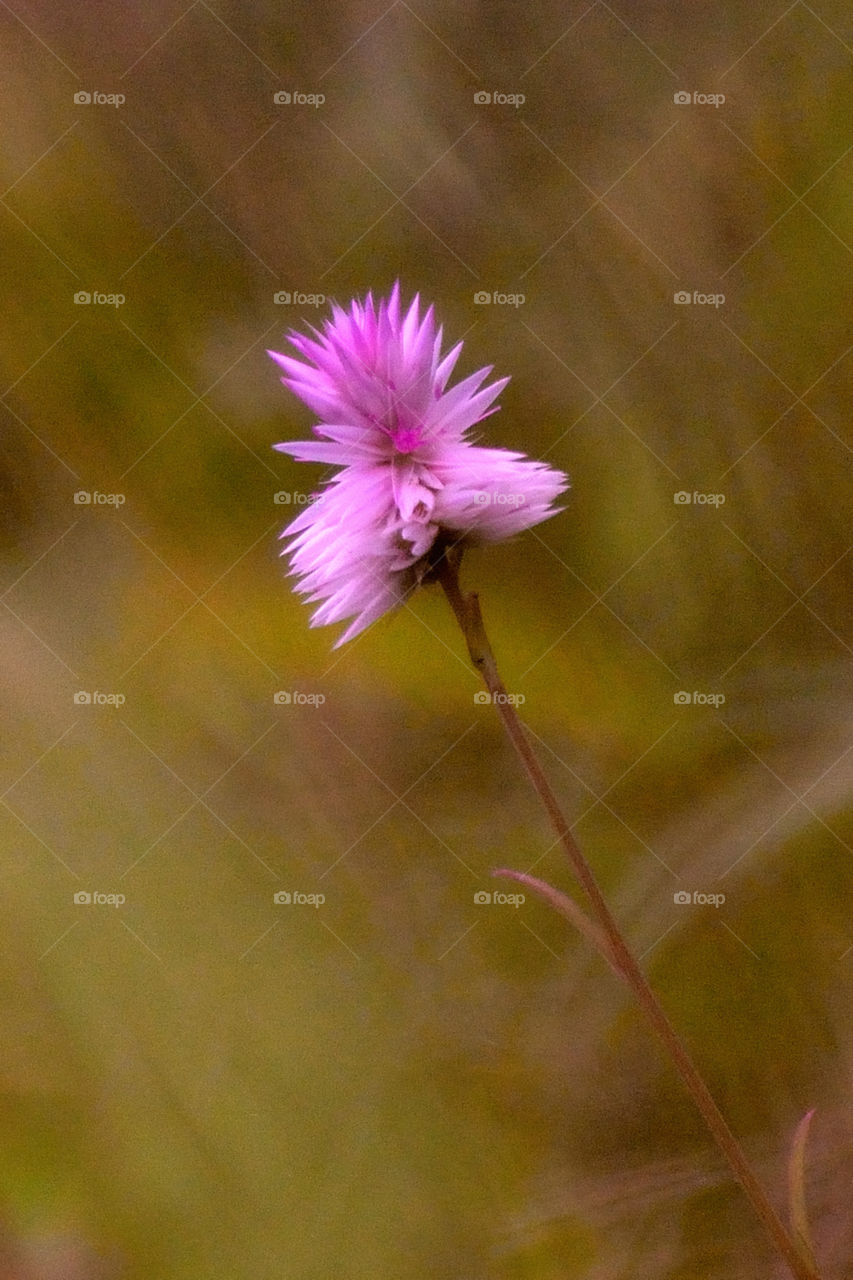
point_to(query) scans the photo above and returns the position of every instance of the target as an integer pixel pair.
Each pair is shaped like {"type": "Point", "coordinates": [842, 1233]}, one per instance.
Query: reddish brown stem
{"type": "Point", "coordinates": [612, 944]}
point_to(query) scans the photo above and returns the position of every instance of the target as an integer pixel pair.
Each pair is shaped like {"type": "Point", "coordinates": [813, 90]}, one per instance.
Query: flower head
{"type": "Point", "coordinates": [409, 478]}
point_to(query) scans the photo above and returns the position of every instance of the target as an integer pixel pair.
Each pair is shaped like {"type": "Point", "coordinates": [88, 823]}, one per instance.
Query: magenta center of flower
{"type": "Point", "coordinates": [406, 439]}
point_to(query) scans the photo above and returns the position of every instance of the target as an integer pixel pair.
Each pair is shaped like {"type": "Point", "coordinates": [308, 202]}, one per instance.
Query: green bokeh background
{"type": "Point", "coordinates": [404, 1083]}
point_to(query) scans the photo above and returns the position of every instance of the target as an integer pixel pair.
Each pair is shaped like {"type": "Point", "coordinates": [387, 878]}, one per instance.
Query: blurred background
{"type": "Point", "coordinates": [199, 1081]}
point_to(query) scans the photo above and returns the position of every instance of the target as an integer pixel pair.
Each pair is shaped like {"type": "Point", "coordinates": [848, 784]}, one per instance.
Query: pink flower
{"type": "Point", "coordinates": [378, 382]}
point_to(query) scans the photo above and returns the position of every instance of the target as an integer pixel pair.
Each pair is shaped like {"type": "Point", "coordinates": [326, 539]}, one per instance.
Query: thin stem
{"type": "Point", "coordinates": [613, 946]}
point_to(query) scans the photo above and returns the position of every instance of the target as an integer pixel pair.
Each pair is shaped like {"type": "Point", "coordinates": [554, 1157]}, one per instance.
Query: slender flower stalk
{"type": "Point", "coordinates": [605, 932]}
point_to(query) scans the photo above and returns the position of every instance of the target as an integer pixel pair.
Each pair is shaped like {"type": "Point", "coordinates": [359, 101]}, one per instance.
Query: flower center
{"type": "Point", "coordinates": [406, 439]}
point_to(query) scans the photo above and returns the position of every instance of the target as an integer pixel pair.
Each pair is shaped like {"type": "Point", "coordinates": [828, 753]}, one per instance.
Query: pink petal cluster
{"type": "Point", "coordinates": [377, 380]}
